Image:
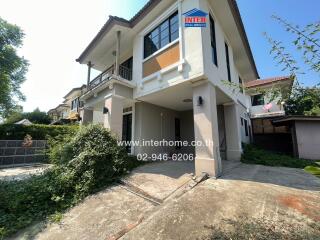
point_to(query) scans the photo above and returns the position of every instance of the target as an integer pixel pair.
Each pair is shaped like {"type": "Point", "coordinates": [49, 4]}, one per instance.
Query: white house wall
{"type": "Point", "coordinates": [192, 50]}
{"type": "Point", "coordinates": [308, 139]}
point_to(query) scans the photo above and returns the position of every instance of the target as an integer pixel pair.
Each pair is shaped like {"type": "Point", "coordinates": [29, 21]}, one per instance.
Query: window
{"type": "Point", "coordinates": [213, 41]}
{"type": "Point", "coordinates": [228, 61]}
{"type": "Point", "coordinates": [165, 33]}
{"type": "Point", "coordinates": [257, 100]}
{"type": "Point", "coordinates": [241, 121]}
{"type": "Point", "coordinates": [74, 104]}
{"type": "Point", "coordinates": [240, 85]}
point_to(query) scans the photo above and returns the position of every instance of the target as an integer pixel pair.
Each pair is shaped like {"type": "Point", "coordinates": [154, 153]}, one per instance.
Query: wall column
{"type": "Point", "coordinates": [233, 131]}
{"type": "Point", "coordinates": [113, 118]}
{"type": "Point", "coordinates": [206, 130]}
{"type": "Point", "coordinates": [86, 115]}
{"type": "Point", "coordinates": [117, 54]}
{"type": "Point", "coordinates": [89, 74]}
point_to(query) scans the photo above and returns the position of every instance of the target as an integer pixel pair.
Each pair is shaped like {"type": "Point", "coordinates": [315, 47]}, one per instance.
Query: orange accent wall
{"type": "Point", "coordinates": [164, 59]}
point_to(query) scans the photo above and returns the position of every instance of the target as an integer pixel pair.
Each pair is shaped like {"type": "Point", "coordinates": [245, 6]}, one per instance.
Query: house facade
{"type": "Point", "coordinates": [164, 80]}
{"type": "Point", "coordinates": [267, 105]}
{"type": "Point", "coordinates": [59, 112]}
{"type": "Point", "coordinates": [70, 108]}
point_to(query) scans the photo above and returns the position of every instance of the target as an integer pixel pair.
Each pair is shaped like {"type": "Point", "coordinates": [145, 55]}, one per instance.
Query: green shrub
{"type": "Point", "coordinates": [255, 155]}
{"type": "Point", "coordinates": [36, 131]}
{"type": "Point", "coordinates": [88, 161]}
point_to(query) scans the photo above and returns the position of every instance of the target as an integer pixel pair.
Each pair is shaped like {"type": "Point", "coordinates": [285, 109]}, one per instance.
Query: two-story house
{"type": "Point", "coordinates": [70, 109]}
{"type": "Point", "coordinates": [267, 104]}
{"type": "Point", "coordinates": [59, 112]}
{"type": "Point", "coordinates": [164, 80]}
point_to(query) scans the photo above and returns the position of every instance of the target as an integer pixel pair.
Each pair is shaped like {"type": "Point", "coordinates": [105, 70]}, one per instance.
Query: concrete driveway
{"type": "Point", "coordinates": [162, 201]}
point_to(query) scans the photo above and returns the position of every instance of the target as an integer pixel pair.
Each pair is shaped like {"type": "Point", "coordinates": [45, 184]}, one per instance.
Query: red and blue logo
{"type": "Point", "coordinates": [195, 18]}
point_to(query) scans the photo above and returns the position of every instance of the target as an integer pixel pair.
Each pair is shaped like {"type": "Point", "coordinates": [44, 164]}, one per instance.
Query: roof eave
{"type": "Point", "coordinates": [112, 21]}
{"type": "Point", "coordinates": [236, 14]}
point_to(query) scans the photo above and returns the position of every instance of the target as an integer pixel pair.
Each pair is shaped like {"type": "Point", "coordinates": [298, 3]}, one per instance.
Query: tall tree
{"type": "Point", "coordinates": [13, 68]}
{"type": "Point", "coordinates": [304, 101]}
{"type": "Point", "coordinates": [36, 116]}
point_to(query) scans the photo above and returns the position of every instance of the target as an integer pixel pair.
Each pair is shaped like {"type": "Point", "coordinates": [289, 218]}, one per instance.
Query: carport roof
{"type": "Point", "coordinates": [288, 119]}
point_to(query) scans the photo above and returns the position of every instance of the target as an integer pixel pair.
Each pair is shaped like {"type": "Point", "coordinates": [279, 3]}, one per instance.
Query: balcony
{"type": "Point", "coordinates": [124, 73]}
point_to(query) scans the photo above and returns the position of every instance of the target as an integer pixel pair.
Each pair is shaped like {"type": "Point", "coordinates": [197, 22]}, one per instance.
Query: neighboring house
{"type": "Point", "coordinates": [70, 108]}
{"type": "Point", "coordinates": [59, 112]}
{"type": "Point", "coordinates": [263, 105]}
{"type": "Point", "coordinates": [305, 135]}
{"type": "Point", "coordinates": [72, 99]}
{"type": "Point", "coordinates": [163, 80]}
{"type": "Point", "coordinates": [25, 122]}
{"type": "Point", "coordinates": [266, 105]}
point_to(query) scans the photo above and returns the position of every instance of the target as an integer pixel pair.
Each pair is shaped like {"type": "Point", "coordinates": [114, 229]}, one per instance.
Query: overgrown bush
{"type": "Point", "coordinates": [85, 163]}
{"type": "Point", "coordinates": [255, 155]}
{"type": "Point", "coordinates": [36, 131]}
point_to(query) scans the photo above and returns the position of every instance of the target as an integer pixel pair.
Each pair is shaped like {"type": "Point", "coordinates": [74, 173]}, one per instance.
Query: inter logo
{"type": "Point", "coordinates": [195, 18]}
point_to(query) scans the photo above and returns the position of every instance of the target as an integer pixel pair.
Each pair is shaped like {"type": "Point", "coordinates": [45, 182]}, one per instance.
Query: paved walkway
{"type": "Point", "coordinates": [176, 211]}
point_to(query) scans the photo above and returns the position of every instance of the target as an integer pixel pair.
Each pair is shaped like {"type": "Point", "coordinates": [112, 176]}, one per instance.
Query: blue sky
{"type": "Point", "coordinates": [57, 31]}
{"type": "Point", "coordinates": [256, 16]}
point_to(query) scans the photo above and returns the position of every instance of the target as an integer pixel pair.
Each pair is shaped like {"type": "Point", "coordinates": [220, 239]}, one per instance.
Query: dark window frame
{"type": "Point", "coordinates": [127, 129]}
{"type": "Point", "coordinates": [213, 41]}
{"type": "Point", "coordinates": [74, 104]}
{"type": "Point", "coordinates": [228, 60]}
{"type": "Point", "coordinates": [257, 100]}
{"type": "Point", "coordinates": [171, 37]}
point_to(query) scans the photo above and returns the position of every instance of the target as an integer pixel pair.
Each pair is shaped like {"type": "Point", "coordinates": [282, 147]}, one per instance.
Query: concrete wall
{"type": "Point", "coordinates": [187, 130]}
{"type": "Point", "coordinates": [157, 123]}
{"type": "Point", "coordinates": [308, 139]}
{"type": "Point", "coordinates": [254, 110]}
{"type": "Point", "coordinates": [154, 123]}
{"type": "Point", "coordinates": [218, 75]}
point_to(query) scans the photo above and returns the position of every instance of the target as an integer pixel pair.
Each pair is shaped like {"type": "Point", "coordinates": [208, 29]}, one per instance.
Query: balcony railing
{"type": "Point", "coordinates": [124, 73]}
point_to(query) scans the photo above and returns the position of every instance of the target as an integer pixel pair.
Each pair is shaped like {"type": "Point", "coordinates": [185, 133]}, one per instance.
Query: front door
{"type": "Point", "coordinates": [127, 129]}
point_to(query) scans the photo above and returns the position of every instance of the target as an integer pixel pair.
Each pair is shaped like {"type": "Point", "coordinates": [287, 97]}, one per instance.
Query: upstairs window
{"type": "Point", "coordinates": [257, 100]}
{"type": "Point", "coordinates": [165, 33]}
{"type": "Point", "coordinates": [74, 104]}
{"type": "Point", "coordinates": [213, 41]}
{"type": "Point", "coordinates": [228, 61]}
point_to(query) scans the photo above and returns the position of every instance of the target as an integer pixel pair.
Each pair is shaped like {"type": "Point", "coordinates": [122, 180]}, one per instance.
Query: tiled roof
{"type": "Point", "coordinates": [262, 82]}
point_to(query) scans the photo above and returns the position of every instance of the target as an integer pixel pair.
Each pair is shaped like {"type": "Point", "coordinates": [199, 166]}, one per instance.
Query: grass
{"type": "Point", "coordinates": [255, 155]}
{"type": "Point", "coordinates": [313, 170]}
